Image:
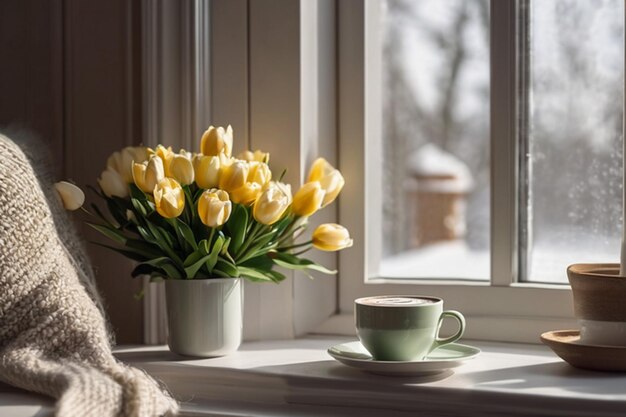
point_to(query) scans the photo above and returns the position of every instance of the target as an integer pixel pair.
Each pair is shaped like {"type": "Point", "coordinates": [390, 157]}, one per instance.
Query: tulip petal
{"type": "Point", "coordinates": [71, 196]}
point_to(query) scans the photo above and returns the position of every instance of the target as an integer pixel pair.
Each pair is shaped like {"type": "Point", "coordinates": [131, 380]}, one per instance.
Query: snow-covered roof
{"type": "Point", "coordinates": [438, 170]}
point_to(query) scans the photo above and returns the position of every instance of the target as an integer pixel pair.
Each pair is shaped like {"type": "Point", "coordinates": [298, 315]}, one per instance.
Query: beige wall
{"type": "Point", "coordinates": [70, 72]}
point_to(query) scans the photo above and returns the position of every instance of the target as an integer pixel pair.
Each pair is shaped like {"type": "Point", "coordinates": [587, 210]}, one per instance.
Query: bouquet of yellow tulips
{"type": "Point", "coordinates": [210, 215]}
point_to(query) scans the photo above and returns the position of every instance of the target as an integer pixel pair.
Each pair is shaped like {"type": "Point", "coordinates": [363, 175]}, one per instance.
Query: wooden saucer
{"type": "Point", "coordinates": [566, 344]}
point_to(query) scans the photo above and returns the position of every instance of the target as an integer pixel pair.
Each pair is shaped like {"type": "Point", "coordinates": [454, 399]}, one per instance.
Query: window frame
{"type": "Point", "coordinates": [503, 308]}
{"type": "Point", "coordinates": [493, 309]}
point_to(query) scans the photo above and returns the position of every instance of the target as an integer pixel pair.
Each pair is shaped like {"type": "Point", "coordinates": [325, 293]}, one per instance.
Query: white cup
{"type": "Point", "coordinates": [607, 333]}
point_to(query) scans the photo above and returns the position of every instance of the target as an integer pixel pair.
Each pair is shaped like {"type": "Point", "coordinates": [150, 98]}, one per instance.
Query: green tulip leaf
{"type": "Point", "coordinates": [193, 269]}
{"type": "Point", "coordinates": [146, 235]}
{"type": "Point", "coordinates": [204, 246]}
{"type": "Point", "coordinates": [130, 254]}
{"type": "Point", "coordinates": [118, 213]}
{"type": "Point", "coordinates": [197, 194]}
{"type": "Point", "coordinates": [150, 265]}
{"type": "Point", "coordinates": [143, 269]}
{"type": "Point", "coordinates": [282, 225]}
{"type": "Point", "coordinates": [193, 258]}
{"type": "Point", "coordinates": [237, 224]}
{"type": "Point", "coordinates": [254, 274]}
{"type": "Point", "coordinates": [225, 246]}
{"type": "Point", "coordinates": [276, 276]}
{"type": "Point", "coordinates": [144, 248]}
{"type": "Point", "coordinates": [102, 217]}
{"type": "Point", "coordinates": [110, 232]}
{"type": "Point", "coordinates": [164, 241]}
{"type": "Point", "coordinates": [171, 242]}
{"type": "Point", "coordinates": [262, 241]}
{"type": "Point", "coordinates": [215, 252]}
{"type": "Point", "coordinates": [225, 269]}
{"type": "Point", "coordinates": [136, 193]}
{"type": "Point", "coordinates": [262, 262]}
{"type": "Point", "coordinates": [171, 271]}
{"type": "Point", "coordinates": [209, 260]}
{"type": "Point", "coordinates": [189, 206]}
{"type": "Point", "coordinates": [139, 208]}
{"type": "Point", "coordinates": [290, 261]}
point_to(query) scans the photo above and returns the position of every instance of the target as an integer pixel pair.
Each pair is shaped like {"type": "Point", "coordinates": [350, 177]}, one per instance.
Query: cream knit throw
{"type": "Point", "coordinates": [53, 337]}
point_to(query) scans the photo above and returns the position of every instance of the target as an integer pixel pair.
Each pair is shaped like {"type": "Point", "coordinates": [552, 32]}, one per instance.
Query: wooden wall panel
{"type": "Point", "coordinates": [70, 72]}
{"type": "Point", "coordinates": [229, 89]}
{"type": "Point", "coordinates": [101, 116]}
{"type": "Point", "coordinates": [274, 123]}
{"type": "Point", "coordinates": [31, 77]}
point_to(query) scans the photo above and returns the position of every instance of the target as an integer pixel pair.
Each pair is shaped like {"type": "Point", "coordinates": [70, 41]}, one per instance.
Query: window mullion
{"type": "Point", "coordinates": [504, 149]}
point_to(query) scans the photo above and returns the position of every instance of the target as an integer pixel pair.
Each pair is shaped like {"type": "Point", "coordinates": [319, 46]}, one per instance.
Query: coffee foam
{"type": "Point", "coordinates": [396, 301]}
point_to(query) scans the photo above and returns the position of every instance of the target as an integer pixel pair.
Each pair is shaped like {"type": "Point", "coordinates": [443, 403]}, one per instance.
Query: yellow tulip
{"type": "Point", "coordinates": [247, 194]}
{"type": "Point", "coordinates": [272, 203]}
{"type": "Point", "coordinates": [166, 155]}
{"type": "Point", "coordinates": [284, 188]}
{"type": "Point", "coordinates": [259, 172]}
{"type": "Point", "coordinates": [214, 207]}
{"type": "Point", "coordinates": [332, 184]}
{"type": "Point", "coordinates": [207, 170]}
{"type": "Point", "coordinates": [71, 196]}
{"type": "Point", "coordinates": [233, 176]}
{"type": "Point", "coordinates": [187, 154]}
{"type": "Point", "coordinates": [148, 174]}
{"type": "Point", "coordinates": [112, 184]}
{"type": "Point", "coordinates": [169, 198]}
{"type": "Point", "coordinates": [330, 179]}
{"type": "Point", "coordinates": [122, 161]}
{"type": "Point", "coordinates": [216, 140]}
{"type": "Point", "coordinates": [331, 237]}
{"type": "Point", "coordinates": [181, 169]}
{"type": "Point", "coordinates": [308, 199]}
{"type": "Point", "coordinates": [258, 156]}
{"type": "Point", "coordinates": [226, 160]}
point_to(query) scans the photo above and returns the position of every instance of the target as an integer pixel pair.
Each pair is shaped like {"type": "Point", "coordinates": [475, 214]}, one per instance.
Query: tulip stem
{"type": "Point", "coordinates": [290, 233]}
{"type": "Point", "coordinates": [302, 251]}
{"type": "Point", "coordinates": [86, 211]}
{"type": "Point", "coordinates": [297, 245]}
{"type": "Point", "coordinates": [254, 232]}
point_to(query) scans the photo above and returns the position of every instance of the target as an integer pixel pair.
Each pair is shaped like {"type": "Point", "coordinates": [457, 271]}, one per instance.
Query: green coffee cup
{"type": "Point", "coordinates": [401, 327]}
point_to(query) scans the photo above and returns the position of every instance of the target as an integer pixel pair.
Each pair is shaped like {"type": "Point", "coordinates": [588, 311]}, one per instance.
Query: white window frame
{"type": "Point", "coordinates": [500, 309]}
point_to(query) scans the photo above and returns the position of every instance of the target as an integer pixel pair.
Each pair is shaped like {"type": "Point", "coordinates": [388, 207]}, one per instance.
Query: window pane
{"type": "Point", "coordinates": [575, 146]}
{"type": "Point", "coordinates": [435, 106]}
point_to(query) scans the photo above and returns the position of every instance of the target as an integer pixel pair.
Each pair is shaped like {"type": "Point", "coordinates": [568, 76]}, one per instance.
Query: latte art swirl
{"type": "Point", "coordinates": [396, 301]}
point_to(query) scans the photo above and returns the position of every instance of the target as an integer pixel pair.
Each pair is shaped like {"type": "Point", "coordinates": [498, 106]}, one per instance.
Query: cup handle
{"type": "Point", "coordinates": [454, 314]}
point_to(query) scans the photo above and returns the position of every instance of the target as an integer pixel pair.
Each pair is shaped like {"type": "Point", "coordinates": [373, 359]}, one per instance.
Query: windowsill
{"type": "Point", "coordinates": [297, 376]}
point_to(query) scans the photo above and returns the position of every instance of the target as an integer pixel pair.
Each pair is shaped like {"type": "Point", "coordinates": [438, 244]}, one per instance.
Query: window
{"type": "Point", "coordinates": [435, 112]}
{"type": "Point", "coordinates": [538, 135]}
{"type": "Point", "coordinates": [574, 144]}
{"type": "Point", "coordinates": [435, 124]}
{"type": "Point", "coordinates": [496, 266]}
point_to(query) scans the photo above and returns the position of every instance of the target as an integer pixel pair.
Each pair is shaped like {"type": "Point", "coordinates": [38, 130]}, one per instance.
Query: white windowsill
{"type": "Point", "coordinates": [298, 377]}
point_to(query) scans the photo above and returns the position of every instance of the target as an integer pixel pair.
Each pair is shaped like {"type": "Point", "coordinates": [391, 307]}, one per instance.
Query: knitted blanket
{"type": "Point", "coordinates": [53, 336]}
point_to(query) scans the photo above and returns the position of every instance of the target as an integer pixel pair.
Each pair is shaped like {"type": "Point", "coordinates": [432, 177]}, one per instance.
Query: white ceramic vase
{"type": "Point", "coordinates": [205, 316]}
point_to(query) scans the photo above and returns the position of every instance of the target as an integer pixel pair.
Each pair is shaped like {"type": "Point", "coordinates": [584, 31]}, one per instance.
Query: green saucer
{"type": "Point", "coordinates": [440, 360]}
